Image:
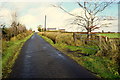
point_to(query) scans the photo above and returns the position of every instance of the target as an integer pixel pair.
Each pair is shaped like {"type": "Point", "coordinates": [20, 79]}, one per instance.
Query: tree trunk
{"type": "Point", "coordinates": [88, 33]}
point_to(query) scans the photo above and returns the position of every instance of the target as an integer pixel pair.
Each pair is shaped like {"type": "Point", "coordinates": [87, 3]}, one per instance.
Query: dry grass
{"type": "Point", "coordinates": [51, 35]}
{"type": "Point", "coordinates": [67, 38]}
{"type": "Point", "coordinates": [58, 37]}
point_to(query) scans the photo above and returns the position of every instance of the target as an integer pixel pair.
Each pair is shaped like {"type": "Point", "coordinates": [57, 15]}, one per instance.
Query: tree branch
{"type": "Point", "coordinates": [69, 12]}
{"type": "Point", "coordinates": [105, 4]}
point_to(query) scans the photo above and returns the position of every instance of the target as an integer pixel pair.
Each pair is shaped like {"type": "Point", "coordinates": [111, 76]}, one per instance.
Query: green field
{"type": "Point", "coordinates": [111, 35]}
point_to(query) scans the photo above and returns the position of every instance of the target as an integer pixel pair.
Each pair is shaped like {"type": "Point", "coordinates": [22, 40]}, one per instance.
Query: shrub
{"type": "Point", "coordinates": [19, 36]}
{"type": "Point", "coordinates": [13, 38]}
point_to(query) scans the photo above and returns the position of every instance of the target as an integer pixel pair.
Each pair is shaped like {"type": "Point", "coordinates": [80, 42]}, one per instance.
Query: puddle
{"type": "Point", "coordinates": [32, 37]}
{"type": "Point", "coordinates": [44, 47]}
{"type": "Point", "coordinates": [28, 56]}
{"type": "Point", "coordinates": [60, 54]}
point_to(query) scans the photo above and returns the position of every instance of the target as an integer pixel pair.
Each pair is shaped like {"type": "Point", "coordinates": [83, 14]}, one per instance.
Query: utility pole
{"type": "Point", "coordinates": [45, 22]}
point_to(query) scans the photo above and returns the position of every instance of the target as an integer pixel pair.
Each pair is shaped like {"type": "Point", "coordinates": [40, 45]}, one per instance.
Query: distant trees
{"type": "Point", "coordinates": [14, 29]}
{"type": "Point", "coordinates": [88, 19]}
{"type": "Point", "coordinates": [40, 29]}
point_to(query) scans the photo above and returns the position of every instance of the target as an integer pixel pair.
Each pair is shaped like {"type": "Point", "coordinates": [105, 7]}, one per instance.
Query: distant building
{"type": "Point", "coordinates": [107, 18]}
{"type": "Point", "coordinates": [62, 30]}
{"type": "Point", "coordinates": [51, 29]}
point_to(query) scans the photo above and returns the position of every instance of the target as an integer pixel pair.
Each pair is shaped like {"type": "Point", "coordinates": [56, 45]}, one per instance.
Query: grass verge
{"type": "Point", "coordinates": [10, 54]}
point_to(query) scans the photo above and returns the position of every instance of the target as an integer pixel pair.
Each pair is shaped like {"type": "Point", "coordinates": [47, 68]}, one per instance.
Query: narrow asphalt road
{"type": "Point", "coordinates": [38, 59]}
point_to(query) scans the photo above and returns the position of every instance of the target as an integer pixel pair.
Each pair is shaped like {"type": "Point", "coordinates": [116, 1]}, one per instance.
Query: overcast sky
{"type": "Point", "coordinates": [32, 14]}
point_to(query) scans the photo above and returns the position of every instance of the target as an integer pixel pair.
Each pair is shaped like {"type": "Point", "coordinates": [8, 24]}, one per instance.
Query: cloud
{"type": "Point", "coordinates": [112, 25]}
{"type": "Point", "coordinates": [33, 15]}
{"type": "Point", "coordinates": [5, 16]}
{"type": "Point", "coordinates": [29, 20]}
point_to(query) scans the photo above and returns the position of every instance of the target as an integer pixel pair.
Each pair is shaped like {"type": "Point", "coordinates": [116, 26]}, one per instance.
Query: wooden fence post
{"type": "Point", "coordinates": [100, 40]}
{"type": "Point", "coordinates": [74, 36]}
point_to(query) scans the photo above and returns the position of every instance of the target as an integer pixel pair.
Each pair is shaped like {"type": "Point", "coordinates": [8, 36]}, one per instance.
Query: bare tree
{"type": "Point", "coordinates": [14, 22]}
{"type": "Point", "coordinates": [89, 18]}
{"type": "Point", "coordinates": [16, 26]}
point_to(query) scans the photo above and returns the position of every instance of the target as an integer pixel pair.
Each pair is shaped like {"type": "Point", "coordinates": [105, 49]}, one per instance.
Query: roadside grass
{"type": "Point", "coordinates": [47, 39]}
{"type": "Point", "coordinates": [100, 66]}
{"type": "Point", "coordinates": [10, 53]}
{"type": "Point", "coordinates": [87, 49]}
{"type": "Point", "coordinates": [111, 35]}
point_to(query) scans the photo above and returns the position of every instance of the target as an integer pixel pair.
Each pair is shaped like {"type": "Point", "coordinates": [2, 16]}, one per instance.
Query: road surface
{"type": "Point", "coordinates": [38, 59]}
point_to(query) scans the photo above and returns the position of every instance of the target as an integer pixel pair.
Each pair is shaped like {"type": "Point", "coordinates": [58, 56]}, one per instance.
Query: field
{"type": "Point", "coordinates": [101, 59]}
{"type": "Point", "coordinates": [111, 35]}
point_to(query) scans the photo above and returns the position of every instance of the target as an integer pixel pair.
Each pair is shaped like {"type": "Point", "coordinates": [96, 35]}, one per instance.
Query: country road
{"type": "Point", "coordinates": [38, 59]}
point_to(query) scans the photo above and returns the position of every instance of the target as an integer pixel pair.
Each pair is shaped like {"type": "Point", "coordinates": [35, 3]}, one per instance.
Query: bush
{"type": "Point", "coordinates": [13, 38]}
{"type": "Point", "coordinates": [20, 36]}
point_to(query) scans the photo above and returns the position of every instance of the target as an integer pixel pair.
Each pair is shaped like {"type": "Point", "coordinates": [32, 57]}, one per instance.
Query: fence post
{"type": "Point", "coordinates": [100, 39]}
{"type": "Point", "coordinates": [74, 36]}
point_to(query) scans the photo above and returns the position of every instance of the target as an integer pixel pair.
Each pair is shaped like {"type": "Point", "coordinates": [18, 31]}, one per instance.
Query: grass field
{"type": "Point", "coordinates": [111, 35]}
